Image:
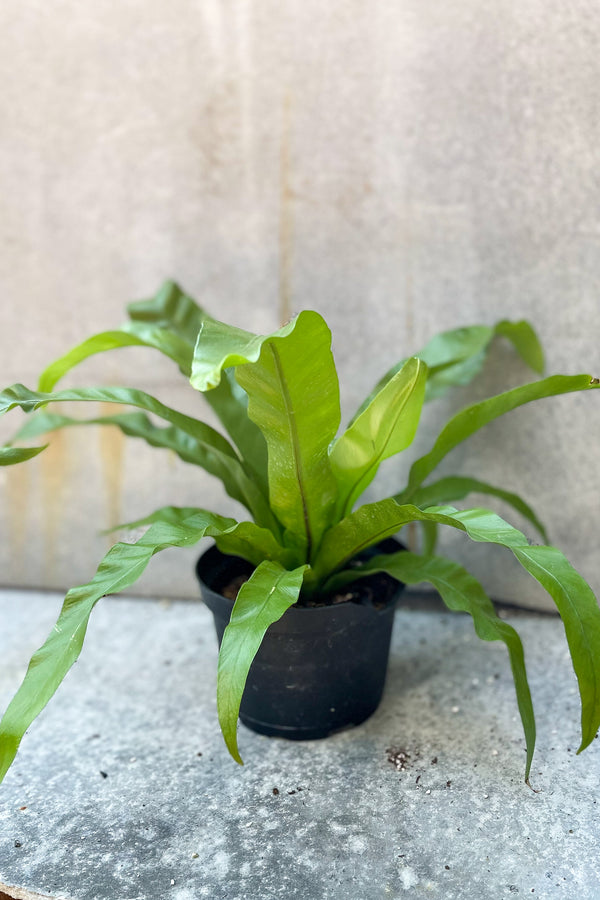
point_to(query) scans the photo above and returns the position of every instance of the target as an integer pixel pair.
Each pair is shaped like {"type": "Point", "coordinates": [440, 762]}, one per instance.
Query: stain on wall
{"type": "Point", "coordinates": [18, 497]}
{"type": "Point", "coordinates": [111, 442]}
{"type": "Point", "coordinates": [54, 469]}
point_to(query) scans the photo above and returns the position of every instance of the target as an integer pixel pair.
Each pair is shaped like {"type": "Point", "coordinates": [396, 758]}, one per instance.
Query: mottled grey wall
{"type": "Point", "coordinates": [400, 166]}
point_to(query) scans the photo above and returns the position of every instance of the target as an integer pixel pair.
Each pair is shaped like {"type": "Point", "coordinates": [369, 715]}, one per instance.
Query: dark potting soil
{"type": "Point", "coordinates": [232, 588]}
{"type": "Point", "coordinates": [375, 590]}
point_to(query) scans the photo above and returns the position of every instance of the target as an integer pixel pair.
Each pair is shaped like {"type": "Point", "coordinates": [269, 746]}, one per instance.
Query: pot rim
{"type": "Point", "coordinates": [213, 560]}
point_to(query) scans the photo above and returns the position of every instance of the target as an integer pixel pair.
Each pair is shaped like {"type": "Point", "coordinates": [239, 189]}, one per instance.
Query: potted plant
{"type": "Point", "coordinates": [309, 554]}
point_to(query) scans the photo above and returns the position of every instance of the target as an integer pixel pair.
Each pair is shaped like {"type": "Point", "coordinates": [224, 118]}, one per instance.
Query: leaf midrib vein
{"type": "Point", "coordinates": [295, 445]}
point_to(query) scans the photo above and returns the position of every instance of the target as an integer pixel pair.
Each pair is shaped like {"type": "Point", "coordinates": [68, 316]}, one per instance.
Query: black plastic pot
{"type": "Point", "coordinates": [319, 669]}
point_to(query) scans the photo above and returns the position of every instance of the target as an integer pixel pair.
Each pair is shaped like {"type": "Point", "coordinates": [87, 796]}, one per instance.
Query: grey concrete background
{"type": "Point", "coordinates": [402, 167]}
{"type": "Point", "coordinates": [425, 799]}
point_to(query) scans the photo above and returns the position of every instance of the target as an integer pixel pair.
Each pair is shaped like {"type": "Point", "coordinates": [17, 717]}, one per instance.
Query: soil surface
{"type": "Point", "coordinates": [374, 590]}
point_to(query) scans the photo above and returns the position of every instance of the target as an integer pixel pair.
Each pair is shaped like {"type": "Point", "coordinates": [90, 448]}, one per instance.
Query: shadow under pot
{"type": "Point", "coordinates": [319, 669]}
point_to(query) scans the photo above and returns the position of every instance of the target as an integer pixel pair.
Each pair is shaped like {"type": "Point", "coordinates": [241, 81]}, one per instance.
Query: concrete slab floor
{"type": "Point", "coordinates": [123, 790]}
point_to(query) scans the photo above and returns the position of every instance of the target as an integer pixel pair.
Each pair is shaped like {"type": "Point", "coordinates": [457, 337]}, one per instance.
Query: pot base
{"type": "Point", "coordinates": [293, 733]}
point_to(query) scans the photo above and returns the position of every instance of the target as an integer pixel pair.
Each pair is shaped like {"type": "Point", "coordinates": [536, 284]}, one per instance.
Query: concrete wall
{"type": "Point", "coordinates": [400, 166]}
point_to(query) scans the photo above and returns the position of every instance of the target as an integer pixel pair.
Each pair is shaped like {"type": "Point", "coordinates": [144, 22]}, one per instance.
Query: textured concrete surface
{"type": "Point", "coordinates": [123, 789]}
{"type": "Point", "coordinates": [400, 166]}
